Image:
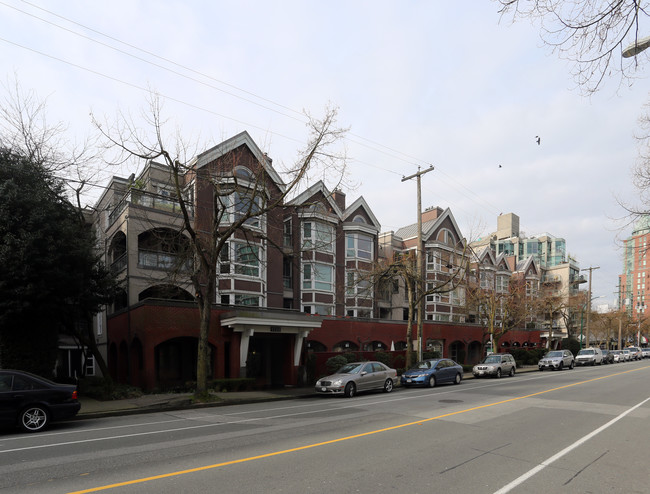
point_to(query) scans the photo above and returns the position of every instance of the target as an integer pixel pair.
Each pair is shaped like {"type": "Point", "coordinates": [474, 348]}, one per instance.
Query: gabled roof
{"type": "Point", "coordinates": [241, 139]}
{"type": "Point", "coordinates": [311, 191]}
{"type": "Point", "coordinates": [528, 265]}
{"type": "Point", "coordinates": [430, 227]}
{"type": "Point", "coordinates": [502, 262]}
{"type": "Point", "coordinates": [485, 256]}
{"type": "Point", "coordinates": [361, 203]}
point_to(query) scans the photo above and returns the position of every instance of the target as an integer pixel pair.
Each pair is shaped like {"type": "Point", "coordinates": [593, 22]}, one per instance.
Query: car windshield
{"type": "Point", "coordinates": [426, 364]}
{"type": "Point", "coordinates": [553, 354]}
{"type": "Point", "coordinates": [586, 352]}
{"type": "Point", "coordinates": [492, 359]}
{"type": "Point", "coordinates": [354, 368]}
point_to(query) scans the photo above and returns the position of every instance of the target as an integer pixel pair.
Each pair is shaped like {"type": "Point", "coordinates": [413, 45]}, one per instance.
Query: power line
{"type": "Point", "coordinates": [376, 146]}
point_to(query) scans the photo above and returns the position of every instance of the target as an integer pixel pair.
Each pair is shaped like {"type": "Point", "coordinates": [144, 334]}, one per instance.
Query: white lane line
{"type": "Point", "coordinates": [520, 480]}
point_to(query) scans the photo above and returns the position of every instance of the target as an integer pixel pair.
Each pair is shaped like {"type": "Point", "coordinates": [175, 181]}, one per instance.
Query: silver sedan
{"type": "Point", "coordinates": [358, 376]}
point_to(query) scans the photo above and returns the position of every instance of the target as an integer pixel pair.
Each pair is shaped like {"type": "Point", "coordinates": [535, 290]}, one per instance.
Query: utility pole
{"type": "Point", "coordinates": [590, 269]}
{"type": "Point", "coordinates": [418, 257]}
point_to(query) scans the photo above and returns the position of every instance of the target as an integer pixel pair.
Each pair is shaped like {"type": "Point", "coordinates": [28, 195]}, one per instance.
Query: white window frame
{"type": "Point", "coordinates": [311, 280]}
{"type": "Point", "coordinates": [320, 236]}
{"type": "Point", "coordinates": [353, 249]}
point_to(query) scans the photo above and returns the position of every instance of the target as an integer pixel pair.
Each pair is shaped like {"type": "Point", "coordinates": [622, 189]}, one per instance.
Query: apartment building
{"type": "Point", "coordinates": [636, 271]}
{"type": "Point", "coordinates": [555, 272]}
{"type": "Point", "coordinates": [294, 279]}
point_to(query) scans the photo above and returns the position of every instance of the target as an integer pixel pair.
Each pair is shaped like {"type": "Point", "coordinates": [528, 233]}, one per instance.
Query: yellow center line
{"type": "Point", "coordinates": [346, 438]}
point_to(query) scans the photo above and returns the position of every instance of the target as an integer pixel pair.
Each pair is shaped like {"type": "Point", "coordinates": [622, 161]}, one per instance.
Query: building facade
{"type": "Point", "coordinates": [291, 279]}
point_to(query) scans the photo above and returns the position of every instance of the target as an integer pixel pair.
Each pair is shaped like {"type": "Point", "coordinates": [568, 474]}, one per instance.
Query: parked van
{"type": "Point", "coordinates": [589, 356]}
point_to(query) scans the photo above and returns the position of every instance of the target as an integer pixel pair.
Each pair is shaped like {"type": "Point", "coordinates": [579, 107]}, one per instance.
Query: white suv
{"type": "Point", "coordinates": [589, 356]}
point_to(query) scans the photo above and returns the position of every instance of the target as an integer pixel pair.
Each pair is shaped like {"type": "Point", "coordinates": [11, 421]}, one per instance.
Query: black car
{"type": "Point", "coordinates": [608, 357]}
{"type": "Point", "coordinates": [31, 402]}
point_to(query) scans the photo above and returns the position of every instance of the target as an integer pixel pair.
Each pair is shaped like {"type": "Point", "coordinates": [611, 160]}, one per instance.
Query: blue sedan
{"type": "Point", "coordinates": [433, 371]}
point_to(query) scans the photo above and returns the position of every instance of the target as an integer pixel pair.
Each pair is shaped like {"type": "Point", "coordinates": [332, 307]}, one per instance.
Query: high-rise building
{"type": "Point", "coordinates": [636, 270]}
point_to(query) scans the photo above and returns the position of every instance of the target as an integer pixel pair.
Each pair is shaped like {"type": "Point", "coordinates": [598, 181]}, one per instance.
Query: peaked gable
{"type": "Point", "coordinates": [241, 139]}
{"type": "Point", "coordinates": [361, 206]}
{"type": "Point", "coordinates": [317, 190]}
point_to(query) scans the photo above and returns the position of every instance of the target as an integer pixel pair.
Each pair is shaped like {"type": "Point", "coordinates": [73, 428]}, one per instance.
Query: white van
{"type": "Point", "coordinates": [589, 356]}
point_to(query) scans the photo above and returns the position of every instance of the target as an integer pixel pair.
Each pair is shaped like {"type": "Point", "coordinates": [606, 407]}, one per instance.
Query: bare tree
{"type": "Point", "coordinates": [590, 34]}
{"type": "Point", "coordinates": [403, 268]}
{"type": "Point", "coordinates": [237, 201]}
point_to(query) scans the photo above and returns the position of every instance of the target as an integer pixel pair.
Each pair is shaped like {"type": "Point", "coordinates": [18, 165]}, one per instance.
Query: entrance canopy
{"type": "Point", "coordinates": [251, 321]}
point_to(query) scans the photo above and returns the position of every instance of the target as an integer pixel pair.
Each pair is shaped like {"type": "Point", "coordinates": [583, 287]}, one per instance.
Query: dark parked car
{"type": "Point", "coordinates": [608, 357]}
{"type": "Point", "coordinates": [433, 371]}
{"type": "Point", "coordinates": [31, 402]}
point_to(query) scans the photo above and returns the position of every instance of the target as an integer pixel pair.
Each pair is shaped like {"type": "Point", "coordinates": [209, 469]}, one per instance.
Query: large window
{"type": "Point", "coordinates": [433, 260]}
{"type": "Point", "coordinates": [358, 246]}
{"type": "Point", "coordinates": [318, 236]}
{"type": "Point", "coordinates": [318, 276]}
{"type": "Point", "coordinates": [240, 258]}
{"type": "Point", "coordinates": [239, 204]}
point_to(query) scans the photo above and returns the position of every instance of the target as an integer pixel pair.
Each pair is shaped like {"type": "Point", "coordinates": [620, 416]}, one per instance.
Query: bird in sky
{"type": "Point", "coordinates": [538, 139]}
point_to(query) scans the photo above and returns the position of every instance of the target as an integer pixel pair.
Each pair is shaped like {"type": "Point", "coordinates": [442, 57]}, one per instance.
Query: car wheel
{"type": "Point", "coordinates": [350, 390]}
{"type": "Point", "coordinates": [593, 362]}
{"type": "Point", "coordinates": [561, 366]}
{"type": "Point", "coordinates": [388, 386]}
{"type": "Point", "coordinates": [458, 378]}
{"type": "Point", "coordinates": [572, 365]}
{"type": "Point", "coordinates": [498, 373]}
{"type": "Point", "coordinates": [34, 418]}
{"type": "Point", "coordinates": [432, 382]}
{"type": "Point", "coordinates": [512, 372]}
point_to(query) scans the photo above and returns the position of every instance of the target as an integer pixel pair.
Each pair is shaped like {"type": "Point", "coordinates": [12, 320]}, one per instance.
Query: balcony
{"type": "Point", "coordinates": [119, 264]}
{"type": "Point", "coordinates": [162, 260]}
{"type": "Point", "coordinates": [148, 200]}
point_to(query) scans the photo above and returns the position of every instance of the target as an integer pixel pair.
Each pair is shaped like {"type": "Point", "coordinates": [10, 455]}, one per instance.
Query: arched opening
{"type": "Point", "coordinates": [474, 352]}
{"type": "Point", "coordinates": [167, 292]}
{"type": "Point", "coordinates": [163, 248]}
{"type": "Point", "coordinates": [123, 364]}
{"type": "Point", "coordinates": [175, 361]}
{"type": "Point", "coordinates": [373, 346]}
{"type": "Point", "coordinates": [137, 363]}
{"type": "Point", "coordinates": [457, 352]}
{"type": "Point", "coordinates": [112, 360]}
{"type": "Point", "coordinates": [316, 346]}
{"type": "Point", "coordinates": [117, 253]}
{"type": "Point", "coordinates": [345, 346]}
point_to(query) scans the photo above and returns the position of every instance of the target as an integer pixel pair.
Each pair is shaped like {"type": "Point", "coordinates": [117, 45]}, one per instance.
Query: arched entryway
{"type": "Point", "coordinates": [175, 361]}
{"type": "Point", "coordinates": [457, 352]}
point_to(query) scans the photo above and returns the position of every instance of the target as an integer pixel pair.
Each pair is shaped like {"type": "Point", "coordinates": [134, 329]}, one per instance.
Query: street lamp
{"type": "Point", "coordinates": [636, 47]}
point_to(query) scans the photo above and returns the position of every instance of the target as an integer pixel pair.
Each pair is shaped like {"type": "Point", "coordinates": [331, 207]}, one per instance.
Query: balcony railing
{"type": "Point", "coordinates": [148, 200]}
{"type": "Point", "coordinates": [162, 260]}
{"type": "Point", "coordinates": [119, 264]}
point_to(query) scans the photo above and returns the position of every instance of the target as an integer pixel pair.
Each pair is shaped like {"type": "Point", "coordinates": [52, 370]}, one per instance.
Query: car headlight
{"type": "Point", "coordinates": [338, 382]}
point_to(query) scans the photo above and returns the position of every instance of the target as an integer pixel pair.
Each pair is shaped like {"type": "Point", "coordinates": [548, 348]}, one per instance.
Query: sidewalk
{"type": "Point", "coordinates": [91, 408]}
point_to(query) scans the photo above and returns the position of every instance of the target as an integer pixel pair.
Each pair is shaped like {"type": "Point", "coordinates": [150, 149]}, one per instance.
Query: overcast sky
{"type": "Point", "coordinates": [418, 83]}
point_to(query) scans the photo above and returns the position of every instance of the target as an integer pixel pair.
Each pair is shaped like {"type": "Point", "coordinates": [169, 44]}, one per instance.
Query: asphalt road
{"type": "Point", "coordinates": [582, 430]}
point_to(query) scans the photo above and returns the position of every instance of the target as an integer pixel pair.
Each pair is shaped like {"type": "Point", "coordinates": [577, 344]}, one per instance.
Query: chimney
{"type": "Point", "coordinates": [339, 199]}
{"type": "Point", "coordinates": [431, 214]}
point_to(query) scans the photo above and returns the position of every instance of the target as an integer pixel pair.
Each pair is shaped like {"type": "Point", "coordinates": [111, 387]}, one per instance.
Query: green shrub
{"type": "Point", "coordinates": [234, 384]}
{"type": "Point", "coordinates": [105, 389]}
{"type": "Point", "coordinates": [571, 344]}
{"type": "Point", "coordinates": [384, 357]}
{"type": "Point", "coordinates": [335, 363]}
